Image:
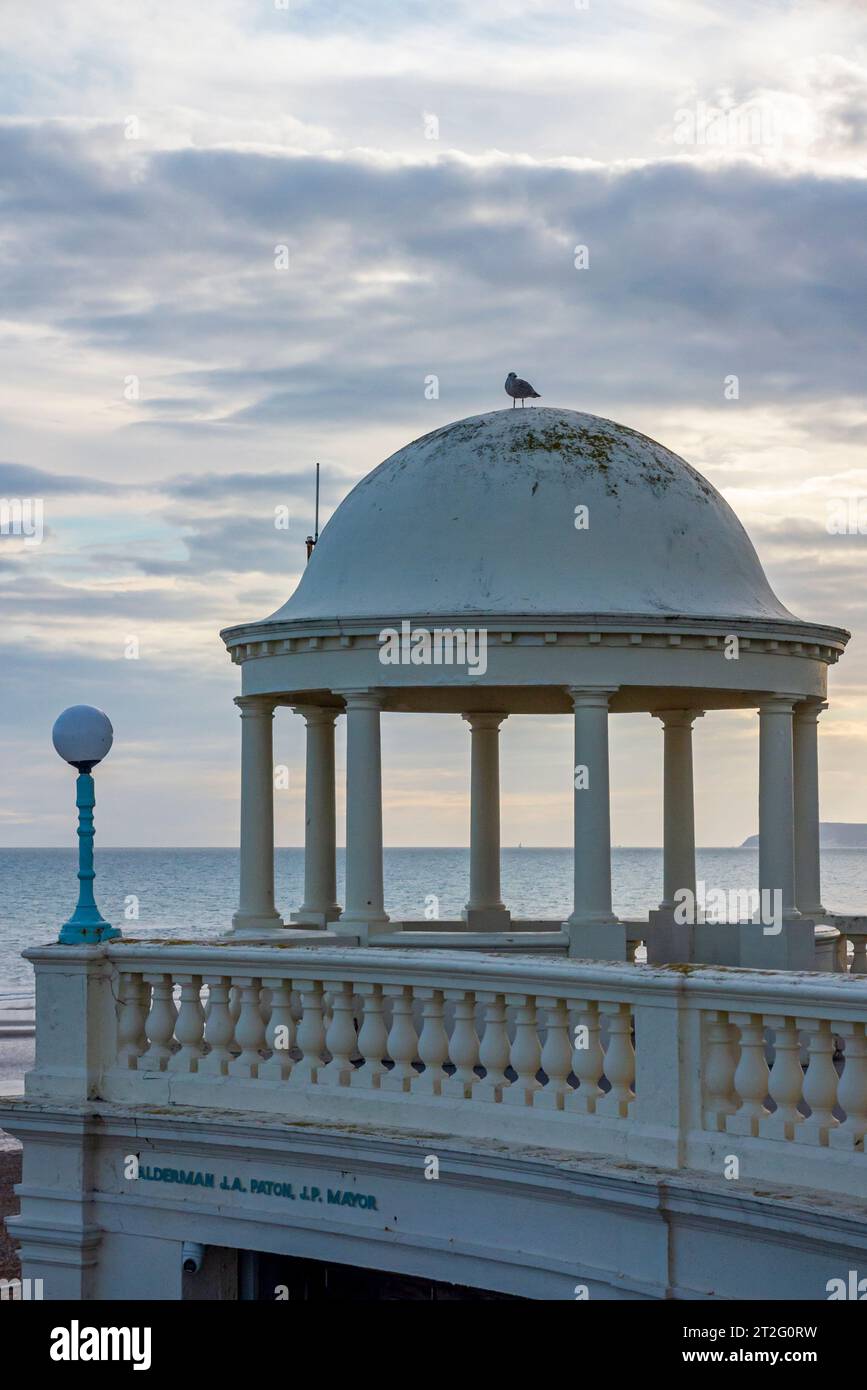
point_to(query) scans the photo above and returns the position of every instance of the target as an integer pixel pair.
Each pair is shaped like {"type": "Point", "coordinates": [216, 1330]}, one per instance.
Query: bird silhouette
{"type": "Point", "coordinates": [519, 390]}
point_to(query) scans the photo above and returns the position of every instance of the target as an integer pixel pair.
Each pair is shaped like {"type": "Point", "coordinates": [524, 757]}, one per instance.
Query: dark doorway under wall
{"type": "Point", "coordinates": [268, 1278]}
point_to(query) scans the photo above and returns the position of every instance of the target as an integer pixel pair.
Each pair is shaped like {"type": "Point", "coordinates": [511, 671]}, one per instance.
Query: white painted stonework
{"type": "Point", "coordinates": [618, 1109]}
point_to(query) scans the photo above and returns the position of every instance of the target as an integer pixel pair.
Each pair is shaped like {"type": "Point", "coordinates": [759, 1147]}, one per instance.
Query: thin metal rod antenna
{"type": "Point", "coordinates": [316, 531]}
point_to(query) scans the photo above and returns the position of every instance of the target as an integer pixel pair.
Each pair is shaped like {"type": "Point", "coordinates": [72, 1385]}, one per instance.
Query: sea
{"type": "Point", "coordinates": [192, 893]}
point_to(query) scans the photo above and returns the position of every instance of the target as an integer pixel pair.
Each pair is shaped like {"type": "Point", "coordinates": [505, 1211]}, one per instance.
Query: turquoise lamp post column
{"type": "Point", "coordinates": [82, 736]}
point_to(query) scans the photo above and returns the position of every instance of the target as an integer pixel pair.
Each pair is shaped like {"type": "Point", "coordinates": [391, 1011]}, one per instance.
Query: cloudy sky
{"type": "Point", "coordinates": [165, 384]}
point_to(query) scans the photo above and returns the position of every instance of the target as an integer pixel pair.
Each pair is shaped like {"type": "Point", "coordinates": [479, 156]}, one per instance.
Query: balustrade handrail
{"type": "Point", "coordinates": [847, 922]}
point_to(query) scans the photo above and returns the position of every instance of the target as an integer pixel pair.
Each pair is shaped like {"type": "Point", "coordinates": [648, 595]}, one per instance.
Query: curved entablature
{"type": "Point", "coordinates": [530, 665]}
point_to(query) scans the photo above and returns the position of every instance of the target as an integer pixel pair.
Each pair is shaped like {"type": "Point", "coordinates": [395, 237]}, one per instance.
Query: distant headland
{"type": "Point", "coordinates": [832, 835]}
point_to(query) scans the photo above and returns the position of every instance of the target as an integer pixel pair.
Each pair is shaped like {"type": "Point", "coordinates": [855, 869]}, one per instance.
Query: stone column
{"type": "Point", "coordinates": [594, 931]}
{"type": "Point", "coordinates": [320, 820]}
{"type": "Point", "coordinates": [485, 910]}
{"type": "Point", "coordinates": [808, 893]}
{"type": "Point", "coordinates": [256, 912]}
{"type": "Point", "coordinates": [365, 908]}
{"type": "Point", "coordinates": [776, 801]}
{"type": "Point", "coordinates": [678, 803]}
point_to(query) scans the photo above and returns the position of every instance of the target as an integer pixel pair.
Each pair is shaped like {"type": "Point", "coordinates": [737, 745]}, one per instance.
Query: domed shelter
{"type": "Point", "coordinates": [532, 562]}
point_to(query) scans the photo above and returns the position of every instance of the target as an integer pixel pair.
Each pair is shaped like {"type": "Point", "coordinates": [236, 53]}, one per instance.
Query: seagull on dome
{"type": "Point", "coordinates": [519, 390]}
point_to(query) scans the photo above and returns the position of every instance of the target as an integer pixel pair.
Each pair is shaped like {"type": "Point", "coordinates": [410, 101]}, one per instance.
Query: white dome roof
{"type": "Point", "coordinates": [478, 518]}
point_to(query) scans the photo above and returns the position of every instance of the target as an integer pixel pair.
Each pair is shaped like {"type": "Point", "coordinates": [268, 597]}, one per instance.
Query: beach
{"type": "Point", "coordinates": [10, 1173]}
{"type": "Point", "coordinates": [16, 1055]}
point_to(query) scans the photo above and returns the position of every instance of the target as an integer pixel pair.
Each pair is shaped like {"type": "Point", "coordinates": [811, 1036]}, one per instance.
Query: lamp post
{"type": "Point", "coordinates": [82, 736]}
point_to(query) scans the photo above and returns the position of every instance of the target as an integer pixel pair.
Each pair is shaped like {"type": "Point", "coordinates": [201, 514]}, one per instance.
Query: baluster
{"type": "Point", "coordinates": [820, 1082]}
{"type": "Point", "coordinates": [751, 1078]}
{"type": "Point", "coordinates": [588, 1059]}
{"type": "Point", "coordinates": [219, 1028]}
{"type": "Point", "coordinates": [160, 1023]}
{"type": "Point", "coordinates": [327, 1009]}
{"type": "Point", "coordinates": [249, 1030]}
{"type": "Point", "coordinates": [619, 1061]}
{"type": "Point", "coordinates": [265, 1006]}
{"type": "Point", "coordinates": [526, 1054]}
{"type": "Point", "coordinates": [340, 1036]}
{"type": "Point", "coordinates": [786, 1084]}
{"type": "Point", "coordinates": [493, 1049]}
{"type": "Point", "coordinates": [372, 1038]}
{"type": "Point", "coordinates": [463, 1045]}
{"type": "Point", "coordinates": [720, 1065]}
{"type": "Point", "coordinates": [433, 1043]}
{"type": "Point", "coordinates": [310, 1035]}
{"type": "Point", "coordinates": [131, 1036]}
{"type": "Point", "coordinates": [852, 1090]}
{"type": "Point", "coordinates": [279, 1033]}
{"type": "Point", "coordinates": [556, 1056]}
{"type": "Point", "coordinates": [402, 1040]}
{"type": "Point", "coordinates": [235, 1003]}
{"type": "Point", "coordinates": [859, 955]}
{"type": "Point", "coordinates": [189, 1026]}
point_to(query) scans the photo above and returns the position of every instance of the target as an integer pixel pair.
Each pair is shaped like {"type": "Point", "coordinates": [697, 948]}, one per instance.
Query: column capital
{"type": "Point", "coordinates": [777, 704]}
{"type": "Point", "coordinates": [317, 714]}
{"type": "Point", "coordinates": [677, 718]}
{"type": "Point", "coordinates": [367, 698]}
{"type": "Point", "coordinates": [808, 711]}
{"type": "Point", "coordinates": [591, 696]}
{"type": "Point", "coordinates": [484, 719]}
{"type": "Point", "coordinates": [256, 706]}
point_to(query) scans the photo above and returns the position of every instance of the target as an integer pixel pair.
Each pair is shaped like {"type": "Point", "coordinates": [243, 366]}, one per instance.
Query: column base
{"type": "Point", "coordinates": [310, 917]}
{"type": "Point", "coordinates": [497, 918]}
{"type": "Point", "coordinates": [73, 934]}
{"type": "Point", "coordinates": [250, 924]}
{"type": "Point", "coordinates": [669, 942]}
{"type": "Point", "coordinates": [362, 928]}
{"type": "Point", "coordinates": [599, 940]}
{"type": "Point", "coordinates": [745, 944]}
{"type": "Point", "coordinates": [818, 914]}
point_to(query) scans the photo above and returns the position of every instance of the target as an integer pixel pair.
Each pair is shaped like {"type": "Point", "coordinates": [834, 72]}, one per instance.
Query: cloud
{"type": "Point", "coordinates": [164, 386]}
{"type": "Point", "coordinates": [21, 480]}
{"type": "Point", "coordinates": [399, 272]}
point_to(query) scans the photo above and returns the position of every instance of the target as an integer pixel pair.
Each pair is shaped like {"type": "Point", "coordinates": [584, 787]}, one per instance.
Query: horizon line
{"type": "Point", "coordinates": [207, 848]}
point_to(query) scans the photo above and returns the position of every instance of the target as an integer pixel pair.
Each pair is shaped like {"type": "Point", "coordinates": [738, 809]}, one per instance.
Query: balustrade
{"type": "Point", "coordinates": [649, 1064]}
{"type": "Point", "coordinates": [764, 1074]}
{"type": "Point", "coordinates": [522, 1055]}
{"type": "Point", "coordinates": [853, 943]}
